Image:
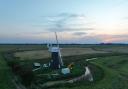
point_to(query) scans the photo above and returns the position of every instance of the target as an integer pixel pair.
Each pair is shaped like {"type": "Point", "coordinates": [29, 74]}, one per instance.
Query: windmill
{"type": "Point", "coordinates": [56, 61]}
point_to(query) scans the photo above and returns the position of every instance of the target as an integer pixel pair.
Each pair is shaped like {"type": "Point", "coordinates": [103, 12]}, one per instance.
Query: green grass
{"type": "Point", "coordinates": [114, 67]}
{"type": "Point", "coordinates": [5, 75]}
{"type": "Point", "coordinates": [114, 77]}
{"type": "Point", "coordinates": [21, 47]}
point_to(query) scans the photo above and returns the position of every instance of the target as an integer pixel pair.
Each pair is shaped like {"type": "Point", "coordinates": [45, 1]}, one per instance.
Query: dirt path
{"type": "Point", "coordinates": [86, 76]}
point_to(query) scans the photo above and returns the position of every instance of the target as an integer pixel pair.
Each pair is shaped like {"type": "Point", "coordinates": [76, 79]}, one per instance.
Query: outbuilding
{"type": "Point", "coordinates": [36, 64]}
{"type": "Point", "coordinates": [65, 71]}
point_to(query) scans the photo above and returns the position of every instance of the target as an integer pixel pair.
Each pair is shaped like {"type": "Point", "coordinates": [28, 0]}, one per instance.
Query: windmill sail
{"type": "Point", "coordinates": [57, 42]}
{"type": "Point", "coordinates": [60, 57]}
{"type": "Point", "coordinates": [56, 61]}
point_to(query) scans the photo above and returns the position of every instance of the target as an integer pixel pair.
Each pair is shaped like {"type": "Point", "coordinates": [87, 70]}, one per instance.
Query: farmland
{"type": "Point", "coordinates": [112, 59]}
{"type": "Point", "coordinates": [38, 54]}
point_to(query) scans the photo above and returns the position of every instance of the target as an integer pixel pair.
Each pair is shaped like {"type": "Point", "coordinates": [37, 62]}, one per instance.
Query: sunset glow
{"type": "Point", "coordinates": [80, 21]}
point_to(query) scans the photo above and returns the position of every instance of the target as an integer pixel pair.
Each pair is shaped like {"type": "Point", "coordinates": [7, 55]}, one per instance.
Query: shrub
{"type": "Point", "coordinates": [27, 76]}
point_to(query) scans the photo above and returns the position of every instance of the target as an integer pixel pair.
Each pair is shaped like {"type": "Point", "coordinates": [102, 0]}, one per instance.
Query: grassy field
{"type": "Point", "coordinates": [113, 59]}
{"type": "Point", "coordinates": [5, 75]}
{"type": "Point", "coordinates": [116, 74]}
{"type": "Point", "coordinates": [38, 54]}
{"type": "Point", "coordinates": [121, 49]}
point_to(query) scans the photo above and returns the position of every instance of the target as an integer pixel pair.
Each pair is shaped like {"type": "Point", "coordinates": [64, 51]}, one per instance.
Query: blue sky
{"type": "Point", "coordinates": [75, 21]}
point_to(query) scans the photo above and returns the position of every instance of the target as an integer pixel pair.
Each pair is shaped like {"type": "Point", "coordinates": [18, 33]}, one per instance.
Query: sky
{"type": "Point", "coordinates": [75, 21]}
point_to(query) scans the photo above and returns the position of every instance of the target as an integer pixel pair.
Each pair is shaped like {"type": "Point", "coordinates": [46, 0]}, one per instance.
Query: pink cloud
{"type": "Point", "coordinates": [112, 38]}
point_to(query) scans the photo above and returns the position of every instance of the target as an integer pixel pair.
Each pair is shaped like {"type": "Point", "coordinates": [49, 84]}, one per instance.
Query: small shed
{"type": "Point", "coordinates": [65, 71]}
{"type": "Point", "coordinates": [36, 64]}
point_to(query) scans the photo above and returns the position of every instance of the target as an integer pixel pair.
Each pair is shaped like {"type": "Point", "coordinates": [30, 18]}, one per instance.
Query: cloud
{"type": "Point", "coordinates": [68, 29]}
{"type": "Point", "coordinates": [67, 22]}
{"type": "Point", "coordinates": [64, 37]}
{"type": "Point", "coordinates": [117, 38]}
{"type": "Point", "coordinates": [125, 17]}
{"type": "Point", "coordinates": [68, 18]}
{"type": "Point", "coordinates": [79, 33]}
{"type": "Point", "coordinates": [70, 15]}
{"type": "Point", "coordinates": [61, 19]}
{"type": "Point", "coordinates": [111, 38]}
